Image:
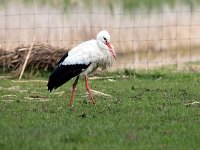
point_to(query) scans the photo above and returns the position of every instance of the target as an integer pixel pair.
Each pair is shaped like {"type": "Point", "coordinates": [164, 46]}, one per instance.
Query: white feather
{"type": "Point", "coordinates": [92, 52]}
{"type": "Point", "coordinates": [84, 53]}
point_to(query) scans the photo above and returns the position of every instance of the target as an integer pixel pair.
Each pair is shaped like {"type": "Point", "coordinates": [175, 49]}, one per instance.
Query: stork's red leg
{"type": "Point", "coordinates": [73, 90]}
{"type": "Point", "coordinates": [88, 89]}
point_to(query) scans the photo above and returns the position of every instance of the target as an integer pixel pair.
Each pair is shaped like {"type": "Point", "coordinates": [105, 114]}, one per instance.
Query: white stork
{"type": "Point", "coordinates": [81, 61]}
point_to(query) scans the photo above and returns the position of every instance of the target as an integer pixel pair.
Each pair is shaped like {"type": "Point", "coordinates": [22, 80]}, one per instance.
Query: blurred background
{"type": "Point", "coordinates": [146, 34]}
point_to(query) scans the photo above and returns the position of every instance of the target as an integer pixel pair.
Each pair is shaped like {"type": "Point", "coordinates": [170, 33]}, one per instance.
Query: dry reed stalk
{"type": "Point", "coordinates": [27, 81]}
{"type": "Point", "coordinates": [192, 103]}
{"type": "Point", "coordinates": [26, 60]}
{"type": "Point", "coordinates": [5, 77]}
{"type": "Point", "coordinates": [94, 92]}
{"type": "Point", "coordinates": [100, 93]}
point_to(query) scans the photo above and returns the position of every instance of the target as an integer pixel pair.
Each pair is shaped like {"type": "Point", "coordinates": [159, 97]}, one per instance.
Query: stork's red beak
{"type": "Point", "coordinates": [111, 49]}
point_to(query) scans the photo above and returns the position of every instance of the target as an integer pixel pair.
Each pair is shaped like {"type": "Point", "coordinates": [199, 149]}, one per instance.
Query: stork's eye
{"type": "Point", "coordinates": [104, 38]}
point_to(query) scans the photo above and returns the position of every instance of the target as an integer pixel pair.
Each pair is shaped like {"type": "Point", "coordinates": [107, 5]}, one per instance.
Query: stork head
{"type": "Point", "coordinates": [103, 38]}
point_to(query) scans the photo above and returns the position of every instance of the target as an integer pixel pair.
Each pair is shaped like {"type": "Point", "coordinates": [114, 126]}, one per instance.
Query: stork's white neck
{"type": "Point", "coordinates": [102, 46]}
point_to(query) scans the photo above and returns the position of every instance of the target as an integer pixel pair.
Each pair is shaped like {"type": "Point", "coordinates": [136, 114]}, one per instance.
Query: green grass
{"type": "Point", "coordinates": [127, 4]}
{"type": "Point", "coordinates": [146, 111]}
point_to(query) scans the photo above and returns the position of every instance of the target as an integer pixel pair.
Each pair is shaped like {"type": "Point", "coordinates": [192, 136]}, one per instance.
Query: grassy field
{"type": "Point", "coordinates": [153, 110]}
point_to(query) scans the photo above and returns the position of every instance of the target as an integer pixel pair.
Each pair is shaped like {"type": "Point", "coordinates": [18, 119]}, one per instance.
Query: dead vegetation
{"type": "Point", "coordinates": [42, 56]}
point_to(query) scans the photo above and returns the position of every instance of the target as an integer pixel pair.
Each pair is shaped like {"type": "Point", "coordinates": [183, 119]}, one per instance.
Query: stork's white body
{"type": "Point", "coordinates": [81, 61]}
{"type": "Point", "coordinates": [86, 53]}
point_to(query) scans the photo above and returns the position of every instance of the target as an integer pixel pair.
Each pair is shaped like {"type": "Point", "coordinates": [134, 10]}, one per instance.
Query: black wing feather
{"type": "Point", "coordinates": [62, 59]}
{"type": "Point", "coordinates": [64, 73]}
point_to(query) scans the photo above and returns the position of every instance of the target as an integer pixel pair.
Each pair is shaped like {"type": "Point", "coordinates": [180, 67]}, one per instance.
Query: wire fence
{"type": "Point", "coordinates": [143, 39]}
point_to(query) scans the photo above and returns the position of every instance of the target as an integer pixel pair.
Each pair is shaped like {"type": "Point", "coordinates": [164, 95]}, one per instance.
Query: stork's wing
{"type": "Point", "coordinates": [62, 59]}
{"type": "Point", "coordinates": [64, 73]}
{"type": "Point", "coordinates": [73, 63]}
